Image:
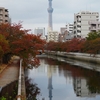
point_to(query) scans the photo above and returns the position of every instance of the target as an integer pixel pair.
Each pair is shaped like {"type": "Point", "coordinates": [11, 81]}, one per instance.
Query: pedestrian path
{"type": "Point", "coordinates": [10, 73]}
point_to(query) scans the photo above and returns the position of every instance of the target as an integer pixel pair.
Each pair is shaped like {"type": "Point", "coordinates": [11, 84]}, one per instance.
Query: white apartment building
{"type": "Point", "coordinates": [81, 22]}
{"type": "Point", "coordinates": [94, 26]}
{"type": "Point", "coordinates": [52, 36]}
{"type": "Point", "coordinates": [69, 27]}
{"type": "Point", "coordinates": [4, 15]}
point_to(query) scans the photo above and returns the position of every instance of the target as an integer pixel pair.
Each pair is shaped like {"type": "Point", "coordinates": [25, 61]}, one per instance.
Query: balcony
{"type": "Point", "coordinates": [78, 28]}
{"type": "Point", "coordinates": [1, 12]}
{"type": "Point", "coordinates": [78, 23]}
{"type": "Point", "coordinates": [92, 28]}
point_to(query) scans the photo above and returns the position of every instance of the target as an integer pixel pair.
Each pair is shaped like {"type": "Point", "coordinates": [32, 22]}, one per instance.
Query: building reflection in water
{"type": "Point", "coordinates": [77, 78]}
{"type": "Point", "coordinates": [81, 88]}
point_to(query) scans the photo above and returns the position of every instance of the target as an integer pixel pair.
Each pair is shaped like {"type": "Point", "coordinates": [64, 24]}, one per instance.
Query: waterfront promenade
{"type": "Point", "coordinates": [11, 73]}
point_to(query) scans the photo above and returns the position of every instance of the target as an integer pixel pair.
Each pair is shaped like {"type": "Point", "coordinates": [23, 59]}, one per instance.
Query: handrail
{"type": "Point", "coordinates": [19, 82]}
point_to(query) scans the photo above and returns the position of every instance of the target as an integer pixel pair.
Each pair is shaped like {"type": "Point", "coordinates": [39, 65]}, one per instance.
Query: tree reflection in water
{"type": "Point", "coordinates": [32, 91]}
{"type": "Point", "coordinates": [93, 82]}
{"type": "Point", "coordinates": [92, 77]}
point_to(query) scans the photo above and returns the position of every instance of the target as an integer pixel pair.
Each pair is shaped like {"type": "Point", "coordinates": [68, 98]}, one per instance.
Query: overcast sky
{"type": "Point", "coordinates": [33, 13]}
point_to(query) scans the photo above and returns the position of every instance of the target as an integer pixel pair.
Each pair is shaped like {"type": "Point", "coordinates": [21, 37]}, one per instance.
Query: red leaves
{"type": "Point", "coordinates": [20, 42]}
{"type": "Point", "coordinates": [74, 45]}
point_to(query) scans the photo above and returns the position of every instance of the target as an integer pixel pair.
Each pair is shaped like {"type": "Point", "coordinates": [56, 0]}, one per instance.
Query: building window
{"type": "Point", "coordinates": [6, 20]}
{"type": "Point", "coordinates": [6, 10]}
{"type": "Point", "coordinates": [6, 15]}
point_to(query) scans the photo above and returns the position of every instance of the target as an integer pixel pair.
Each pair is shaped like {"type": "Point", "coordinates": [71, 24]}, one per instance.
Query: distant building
{"type": "Point", "coordinates": [52, 36]}
{"type": "Point", "coordinates": [40, 31]}
{"type": "Point", "coordinates": [81, 23]}
{"type": "Point", "coordinates": [69, 27]}
{"type": "Point", "coordinates": [66, 33]}
{"type": "Point", "coordinates": [4, 15]}
{"type": "Point", "coordinates": [62, 37]}
{"type": "Point", "coordinates": [94, 26]}
{"type": "Point", "coordinates": [63, 29]}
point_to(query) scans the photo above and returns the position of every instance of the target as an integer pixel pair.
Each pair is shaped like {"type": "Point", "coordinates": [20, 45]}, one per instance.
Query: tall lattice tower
{"type": "Point", "coordinates": [50, 10]}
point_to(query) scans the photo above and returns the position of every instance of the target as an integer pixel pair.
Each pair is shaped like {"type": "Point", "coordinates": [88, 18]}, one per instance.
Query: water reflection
{"type": "Point", "coordinates": [50, 87]}
{"type": "Point", "coordinates": [32, 89]}
{"type": "Point", "coordinates": [62, 81]}
{"type": "Point", "coordinates": [9, 92]}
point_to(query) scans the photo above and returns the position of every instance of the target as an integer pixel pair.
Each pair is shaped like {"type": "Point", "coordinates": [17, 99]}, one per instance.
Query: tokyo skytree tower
{"type": "Point", "coordinates": [50, 10]}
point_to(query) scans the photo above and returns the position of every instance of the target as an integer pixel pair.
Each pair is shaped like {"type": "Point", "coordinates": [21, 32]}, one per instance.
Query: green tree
{"type": "Point", "coordinates": [93, 35]}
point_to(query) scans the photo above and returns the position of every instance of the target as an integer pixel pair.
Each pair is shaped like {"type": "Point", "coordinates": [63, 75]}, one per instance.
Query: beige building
{"type": "Point", "coordinates": [81, 22]}
{"type": "Point", "coordinates": [52, 36]}
{"type": "Point", "coordinates": [4, 15]}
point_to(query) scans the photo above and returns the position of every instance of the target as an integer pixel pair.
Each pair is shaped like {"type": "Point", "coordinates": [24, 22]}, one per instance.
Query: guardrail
{"type": "Point", "coordinates": [19, 82]}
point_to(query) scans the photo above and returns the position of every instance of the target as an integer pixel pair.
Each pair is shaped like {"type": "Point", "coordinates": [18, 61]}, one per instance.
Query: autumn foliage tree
{"type": "Point", "coordinates": [4, 46]}
{"type": "Point", "coordinates": [21, 43]}
{"type": "Point", "coordinates": [74, 45]}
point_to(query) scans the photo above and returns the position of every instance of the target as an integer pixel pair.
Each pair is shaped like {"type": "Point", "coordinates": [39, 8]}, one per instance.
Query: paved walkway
{"type": "Point", "coordinates": [10, 73]}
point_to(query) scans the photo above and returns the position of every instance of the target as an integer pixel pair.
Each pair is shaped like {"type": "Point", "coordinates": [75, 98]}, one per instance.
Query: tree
{"type": "Point", "coordinates": [92, 46]}
{"type": "Point", "coordinates": [21, 43]}
{"type": "Point", "coordinates": [93, 35]}
{"type": "Point", "coordinates": [4, 46]}
{"type": "Point", "coordinates": [75, 45]}
{"type": "Point", "coordinates": [27, 47]}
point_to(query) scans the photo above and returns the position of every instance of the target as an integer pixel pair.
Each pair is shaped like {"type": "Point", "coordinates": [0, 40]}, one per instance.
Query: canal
{"type": "Point", "coordinates": [65, 79]}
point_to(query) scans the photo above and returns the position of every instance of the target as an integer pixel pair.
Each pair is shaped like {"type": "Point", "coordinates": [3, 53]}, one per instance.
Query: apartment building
{"type": "Point", "coordinates": [69, 27]}
{"type": "Point", "coordinates": [4, 15]}
{"type": "Point", "coordinates": [94, 26]}
{"type": "Point", "coordinates": [52, 36]}
{"type": "Point", "coordinates": [81, 23]}
{"type": "Point", "coordinates": [66, 33]}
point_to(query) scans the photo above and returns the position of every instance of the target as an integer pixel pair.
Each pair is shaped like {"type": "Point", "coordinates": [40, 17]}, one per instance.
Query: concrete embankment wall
{"type": "Point", "coordinates": [79, 56]}
{"type": "Point", "coordinates": [21, 84]}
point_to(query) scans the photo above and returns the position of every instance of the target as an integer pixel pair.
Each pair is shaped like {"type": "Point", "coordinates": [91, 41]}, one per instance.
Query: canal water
{"type": "Point", "coordinates": [60, 80]}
